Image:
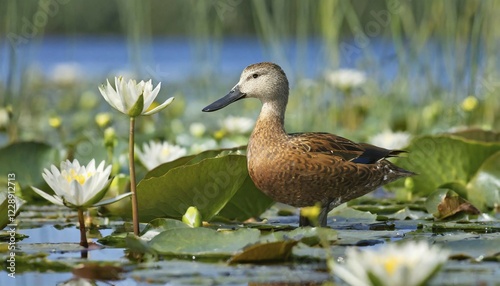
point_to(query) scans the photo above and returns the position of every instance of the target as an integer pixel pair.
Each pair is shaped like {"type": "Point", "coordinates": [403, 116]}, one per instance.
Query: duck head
{"type": "Point", "coordinates": [265, 81]}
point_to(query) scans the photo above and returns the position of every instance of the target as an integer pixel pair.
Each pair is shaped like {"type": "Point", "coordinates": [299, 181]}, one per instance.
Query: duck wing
{"type": "Point", "coordinates": [333, 145]}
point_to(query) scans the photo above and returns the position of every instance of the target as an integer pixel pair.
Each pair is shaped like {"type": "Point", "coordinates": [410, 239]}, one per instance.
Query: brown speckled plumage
{"type": "Point", "coordinates": [302, 169]}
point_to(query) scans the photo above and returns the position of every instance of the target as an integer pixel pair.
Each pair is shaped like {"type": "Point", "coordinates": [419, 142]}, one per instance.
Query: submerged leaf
{"type": "Point", "coordinates": [265, 252]}
{"type": "Point", "coordinates": [97, 271]}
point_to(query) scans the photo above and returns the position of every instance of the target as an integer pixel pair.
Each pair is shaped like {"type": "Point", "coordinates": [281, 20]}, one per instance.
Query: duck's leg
{"type": "Point", "coordinates": [323, 214]}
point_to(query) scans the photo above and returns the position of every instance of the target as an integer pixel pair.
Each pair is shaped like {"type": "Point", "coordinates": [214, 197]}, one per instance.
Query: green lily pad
{"type": "Point", "coordinates": [158, 225]}
{"type": "Point", "coordinates": [208, 185]}
{"type": "Point", "coordinates": [479, 135]}
{"type": "Point", "coordinates": [26, 161]}
{"type": "Point", "coordinates": [441, 159]}
{"type": "Point", "coordinates": [192, 159]}
{"type": "Point", "coordinates": [483, 190]}
{"type": "Point", "coordinates": [248, 202]}
{"type": "Point", "coordinates": [202, 241]}
{"type": "Point", "coordinates": [445, 203]}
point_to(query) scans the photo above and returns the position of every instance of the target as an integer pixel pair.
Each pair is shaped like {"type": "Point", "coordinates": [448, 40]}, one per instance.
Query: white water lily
{"type": "Point", "coordinates": [238, 124]}
{"type": "Point", "coordinates": [346, 79]}
{"type": "Point", "coordinates": [77, 186]}
{"type": "Point", "coordinates": [133, 98]}
{"type": "Point", "coordinates": [391, 140]}
{"type": "Point", "coordinates": [411, 263]}
{"type": "Point", "coordinates": [154, 153]}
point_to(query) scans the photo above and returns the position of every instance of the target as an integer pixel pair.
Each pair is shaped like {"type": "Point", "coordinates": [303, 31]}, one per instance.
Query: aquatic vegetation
{"type": "Point", "coordinates": [132, 98]}
{"type": "Point", "coordinates": [421, 69]}
{"type": "Point", "coordinates": [155, 153]}
{"type": "Point", "coordinates": [78, 187]}
{"type": "Point", "coordinates": [346, 79]}
{"type": "Point", "coordinates": [410, 263]}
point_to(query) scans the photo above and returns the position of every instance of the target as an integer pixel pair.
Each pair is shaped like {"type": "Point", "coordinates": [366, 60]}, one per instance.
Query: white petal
{"type": "Point", "coordinates": [150, 94]}
{"type": "Point", "coordinates": [160, 107]}
{"type": "Point", "coordinates": [130, 94]}
{"type": "Point", "coordinates": [75, 195]}
{"type": "Point", "coordinates": [91, 166]}
{"type": "Point", "coordinates": [52, 199]}
{"type": "Point", "coordinates": [111, 96]}
{"type": "Point", "coordinates": [55, 184]}
{"type": "Point", "coordinates": [111, 200]}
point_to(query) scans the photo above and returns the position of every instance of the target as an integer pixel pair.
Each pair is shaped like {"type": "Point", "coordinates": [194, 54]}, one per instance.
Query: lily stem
{"type": "Point", "coordinates": [135, 206]}
{"type": "Point", "coordinates": [83, 231]}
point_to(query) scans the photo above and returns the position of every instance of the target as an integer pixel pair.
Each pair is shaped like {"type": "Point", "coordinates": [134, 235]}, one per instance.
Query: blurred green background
{"type": "Point", "coordinates": [430, 66]}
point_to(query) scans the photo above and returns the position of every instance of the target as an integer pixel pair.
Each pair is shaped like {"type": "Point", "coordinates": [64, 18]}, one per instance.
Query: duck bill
{"type": "Point", "coordinates": [234, 95]}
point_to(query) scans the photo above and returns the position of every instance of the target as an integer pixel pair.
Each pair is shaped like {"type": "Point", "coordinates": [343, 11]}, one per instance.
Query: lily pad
{"type": "Point", "coordinates": [445, 203]}
{"type": "Point", "coordinates": [202, 241]}
{"type": "Point", "coordinates": [441, 159]}
{"type": "Point", "coordinates": [26, 161]}
{"type": "Point", "coordinates": [158, 225]}
{"type": "Point", "coordinates": [208, 185]}
{"type": "Point", "coordinates": [484, 188]}
{"type": "Point", "coordinates": [193, 159]}
{"type": "Point", "coordinates": [248, 202]}
{"type": "Point", "coordinates": [479, 135]}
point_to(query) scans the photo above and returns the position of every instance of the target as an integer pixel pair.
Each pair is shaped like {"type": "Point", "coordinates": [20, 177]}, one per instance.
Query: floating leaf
{"type": "Point", "coordinates": [479, 135]}
{"type": "Point", "coordinates": [192, 159]}
{"type": "Point", "coordinates": [208, 185]}
{"type": "Point", "coordinates": [445, 203]}
{"type": "Point", "coordinates": [442, 159]}
{"type": "Point", "coordinates": [202, 241]}
{"type": "Point", "coordinates": [484, 188]}
{"type": "Point", "coordinates": [26, 161]}
{"type": "Point", "coordinates": [265, 252]}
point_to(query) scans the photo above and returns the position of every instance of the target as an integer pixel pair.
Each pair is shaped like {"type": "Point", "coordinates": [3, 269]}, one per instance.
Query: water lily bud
{"type": "Point", "coordinates": [103, 119]}
{"type": "Point", "coordinates": [55, 121]}
{"type": "Point", "coordinates": [469, 103]}
{"type": "Point", "coordinates": [197, 129]}
{"type": "Point", "coordinates": [110, 137]}
{"type": "Point", "coordinates": [409, 184]}
{"type": "Point", "coordinates": [311, 213]}
{"type": "Point", "coordinates": [192, 217]}
{"type": "Point", "coordinates": [4, 117]}
{"type": "Point", "coordinates": [89, 100]}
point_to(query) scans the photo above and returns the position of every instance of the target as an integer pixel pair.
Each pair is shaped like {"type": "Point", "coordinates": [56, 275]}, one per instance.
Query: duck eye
{"type": "Point", "coordinates": [255, 75]}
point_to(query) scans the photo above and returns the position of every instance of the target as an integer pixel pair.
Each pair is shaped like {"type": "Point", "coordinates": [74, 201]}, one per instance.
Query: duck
{"type": "Point", "coordinates": [304, 169]}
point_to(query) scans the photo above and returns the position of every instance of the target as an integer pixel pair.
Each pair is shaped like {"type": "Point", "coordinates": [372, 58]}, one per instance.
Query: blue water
{"type": "Point", "coordinates": [176, 59]}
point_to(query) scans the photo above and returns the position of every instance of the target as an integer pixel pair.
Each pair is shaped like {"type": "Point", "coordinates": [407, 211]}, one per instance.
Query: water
{"type": "Point", "coordinates": [177, 59]}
